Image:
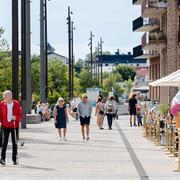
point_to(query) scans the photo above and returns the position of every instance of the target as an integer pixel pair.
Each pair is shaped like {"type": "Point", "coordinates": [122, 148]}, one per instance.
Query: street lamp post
{"type": "Point", "coordinates": [46, 54]}
{"type": "Point", "coordinates": [46, 48]}
{"type": "Point", "coordinates": [98, 63]}
{"type": "Point", "coordinates": [70, 51]}
{"type": "Point", "coordinates": [91, 52]}
{"type": "Point", "coordinates": [23, 62]}
{"type": "Point", "coordinates": [15, 49]}
{"type": "Point", "coordinates": [101, 63]}
{"type": "Point", "coordinates": [42, 54]}
{"type": "Point", "coordinates": [28, 59]}
{"type": "Point", "coordinates": [73, 57]}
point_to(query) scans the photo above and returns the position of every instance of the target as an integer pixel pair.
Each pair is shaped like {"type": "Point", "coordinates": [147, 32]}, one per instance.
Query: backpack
{"type": "Point", "coordinates": [110, 107]}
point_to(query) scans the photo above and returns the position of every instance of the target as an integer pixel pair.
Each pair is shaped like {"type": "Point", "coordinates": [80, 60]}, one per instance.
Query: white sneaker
{"type": "Point", "coordinates": [60, 139]}
{"type": "Point", "coordinates": [65, 139]}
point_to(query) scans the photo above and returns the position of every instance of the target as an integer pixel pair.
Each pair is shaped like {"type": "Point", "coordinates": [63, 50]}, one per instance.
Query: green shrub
{"type": "Point", "coordinates": [163, 109]}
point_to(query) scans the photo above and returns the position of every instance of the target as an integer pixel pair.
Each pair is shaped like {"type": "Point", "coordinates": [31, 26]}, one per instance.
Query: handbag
{"type": "Point", "coordinates": [101, 112]}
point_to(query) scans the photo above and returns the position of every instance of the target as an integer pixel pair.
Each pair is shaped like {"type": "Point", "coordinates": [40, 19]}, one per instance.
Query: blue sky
{"type": "Point", "coordinates": [109, 19]}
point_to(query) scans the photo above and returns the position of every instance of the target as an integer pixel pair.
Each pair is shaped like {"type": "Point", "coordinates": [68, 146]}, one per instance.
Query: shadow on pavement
{"type": "Point", "coordinates": [35, 167]}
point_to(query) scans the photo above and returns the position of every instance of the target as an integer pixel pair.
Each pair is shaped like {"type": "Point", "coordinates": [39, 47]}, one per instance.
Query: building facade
{"type": "Point", "coordinates": [52, 55]}
{"type": "Point", "coordinates": [109, 62]}
{"type": "Point", "coordinates": [160, 20]}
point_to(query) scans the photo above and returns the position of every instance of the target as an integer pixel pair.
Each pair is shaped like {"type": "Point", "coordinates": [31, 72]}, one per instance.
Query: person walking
{"type": "Point", "coordinates": [139, 115]}
{"type": "Point", "coordinates": [10, 116]}
{"type": "Point", "coordinates": [110, 110]}
{"type": "Point", "coordinates": [74, 106]}
{"type": "Point", "coordinates": [61, 118]}
{"type": "Point", "coordinates": [132, 107]}
{"type": "Point", "coordinates": [85, 112]}
{"type": "Point", "coordinates": [100, 113]}
{"type": "Point", "coordinates": [117, 105]}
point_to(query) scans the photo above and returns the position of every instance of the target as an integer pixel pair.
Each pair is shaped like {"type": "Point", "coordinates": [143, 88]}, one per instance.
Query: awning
{"type": "Point", "coordinates": [172, 79]}
{"type": "Point", "coordinates": [142, 89]}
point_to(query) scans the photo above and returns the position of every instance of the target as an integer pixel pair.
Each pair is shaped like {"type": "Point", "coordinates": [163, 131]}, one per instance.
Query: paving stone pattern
{"type": "Point", "coordinates": [104, 157]}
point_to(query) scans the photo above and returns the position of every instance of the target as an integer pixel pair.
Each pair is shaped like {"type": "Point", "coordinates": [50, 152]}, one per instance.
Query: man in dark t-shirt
{"type": "Point", "coordinates": [132, 108]}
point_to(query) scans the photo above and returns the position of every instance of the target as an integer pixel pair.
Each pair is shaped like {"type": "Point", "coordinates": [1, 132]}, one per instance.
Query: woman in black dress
{"type": "Point", "coordinates": [61, 118]}
{"type": "Point", "coordinates": [132, 106]}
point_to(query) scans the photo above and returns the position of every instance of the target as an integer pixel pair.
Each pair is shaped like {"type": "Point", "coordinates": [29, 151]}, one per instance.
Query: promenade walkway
{"type": "Point", "coordinates": [119, 154]}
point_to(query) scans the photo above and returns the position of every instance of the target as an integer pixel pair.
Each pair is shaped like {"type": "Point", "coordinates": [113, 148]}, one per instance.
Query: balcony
{"type": "Point", "coordinates": [145, 25]}
{"type": "Point", "coordinates": [137, 51]}
{"type": "Point", "coordinates": [156, 41]}
{"type": "Point", "coordinates": [137, 2]}
{"type": "Point", "coordinates": [153, 8]}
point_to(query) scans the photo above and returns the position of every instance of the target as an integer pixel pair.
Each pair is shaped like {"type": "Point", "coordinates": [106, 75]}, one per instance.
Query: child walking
{"type": "Point", "coordinates": [139, 115]}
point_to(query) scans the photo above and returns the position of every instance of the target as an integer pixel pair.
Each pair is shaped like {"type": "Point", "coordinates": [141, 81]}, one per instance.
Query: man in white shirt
{"type": "Point", "coordinates": [10, 116]}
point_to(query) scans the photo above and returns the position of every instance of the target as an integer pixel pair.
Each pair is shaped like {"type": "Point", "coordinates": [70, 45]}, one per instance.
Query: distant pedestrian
{"type": "Point", "coordinates": [110, 110]}
{"type": "Point", "coordinates": [116, 103]}
{"type": "Point", "coordinates": [100, 107]}
{"type": "Point", "coordinates": [85, 112]}
{"type": "Point", "coordinates": [61, 118]}
{"type": "Point", "coordinates": [132, 107]}
{"type": "Point", "coordinates": [74, 108]}
{"type": "Point", "coordinates": [10, 116]}
{"type": "Point", "coordinates": [39, 109]}
{"type": "Point", "coordinates": [52, 109]}
{"type": "Point", "coordinates": [46, 112]}
{"type": "Point", "coordinates": [139, 114]}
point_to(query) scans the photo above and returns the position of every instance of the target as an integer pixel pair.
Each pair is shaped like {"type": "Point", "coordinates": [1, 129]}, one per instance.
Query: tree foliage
{"type": "Point", "coordinates": [80, 64]}
{"type": "Point", "coordinates": [126, 72]}
{"type": "Point", "coordinates": [85, 80]}
{"type": "Point", "coordinates": [111, 84]}
{"type": "Point", "coordinates": [57, 78]}
{"type": "Point", "coordinates": [58, 75]}
{"type": "Point", "coordinates": [3, 42]}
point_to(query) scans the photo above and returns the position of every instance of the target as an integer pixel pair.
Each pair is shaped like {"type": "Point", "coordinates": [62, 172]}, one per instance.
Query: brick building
{"type": "Point", "coordinates": [160, 20]}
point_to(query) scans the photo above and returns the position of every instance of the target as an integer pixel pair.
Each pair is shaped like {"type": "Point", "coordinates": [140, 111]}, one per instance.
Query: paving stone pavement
{"type": "Point", "coordinates": [119, 154]}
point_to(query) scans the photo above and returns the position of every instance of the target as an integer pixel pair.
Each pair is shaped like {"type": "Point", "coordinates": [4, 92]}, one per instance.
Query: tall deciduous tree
{"type": "Point", "coordinates": [85, 80]}
{"type": "Point", "coordinates": [3, 42]}
{"type": "Point", "coordinates": [126, 72]}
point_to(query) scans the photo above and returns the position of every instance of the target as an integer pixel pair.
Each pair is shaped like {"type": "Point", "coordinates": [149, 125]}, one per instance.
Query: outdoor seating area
{"type": "Point", "coordinates": [162, 131]}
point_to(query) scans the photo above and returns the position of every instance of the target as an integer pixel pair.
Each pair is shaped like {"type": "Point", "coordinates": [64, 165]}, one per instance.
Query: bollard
{"type": "Point", "coordinates": [174, 141]}
{"type": "Point", "coordinates": [178, 170]}
{"type": "Point", "coordinates": [145, 124]}
{"type": "Point", "coordinates": [166, 135]}
{"type": "Point", "coordinates": [158, 133]}
{"type": "Point", "coordinates": [154, 132]}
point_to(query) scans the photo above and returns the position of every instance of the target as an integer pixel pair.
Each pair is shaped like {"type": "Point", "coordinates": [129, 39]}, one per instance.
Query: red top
{"type": "Point", "coordinates": [16, 112]}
